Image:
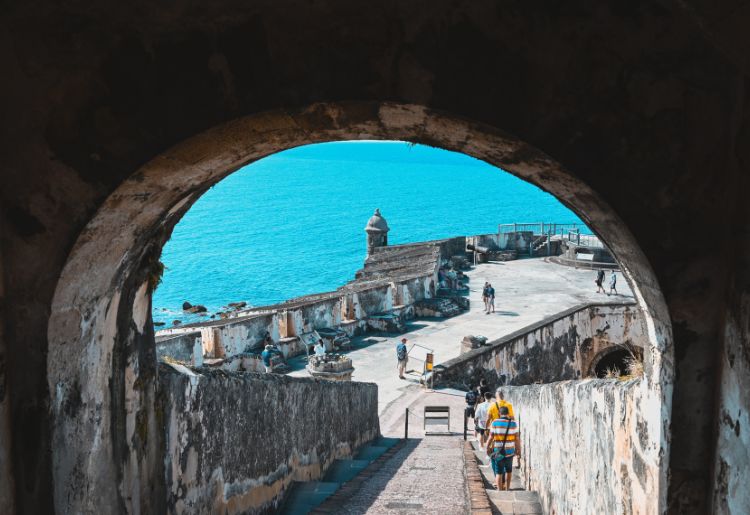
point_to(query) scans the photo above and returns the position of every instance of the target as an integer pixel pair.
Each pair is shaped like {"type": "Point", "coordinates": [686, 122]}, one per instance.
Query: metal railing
{"type": "Point", "coordinates": [572, 232]}
{"type": "Point", "coordinates": [540, 228]}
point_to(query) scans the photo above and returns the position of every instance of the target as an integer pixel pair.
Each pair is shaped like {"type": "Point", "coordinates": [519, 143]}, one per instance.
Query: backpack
{"type": "Point", "coordinates": [401, 352]}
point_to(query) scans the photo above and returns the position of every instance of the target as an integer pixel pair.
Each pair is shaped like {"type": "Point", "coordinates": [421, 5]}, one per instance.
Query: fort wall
{"type": "Point", "coordinates": [564, 346]}
{"type": "Point", "coordinates": [229, 447]}
{"type": "Point", "coordinates": [586, 447]}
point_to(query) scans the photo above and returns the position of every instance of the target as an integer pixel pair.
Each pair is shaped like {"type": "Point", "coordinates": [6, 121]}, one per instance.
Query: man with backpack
{"type": "Point", "coordinates": [494, 411]}
{"type": "Point", "coordinates": [503, 444]}
{"type": "Point", "coordinates": [402, 355]}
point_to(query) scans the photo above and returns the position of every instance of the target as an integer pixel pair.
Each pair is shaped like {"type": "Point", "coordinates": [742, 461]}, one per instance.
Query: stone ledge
{"type": "Point", "coordinates": [479, 502]}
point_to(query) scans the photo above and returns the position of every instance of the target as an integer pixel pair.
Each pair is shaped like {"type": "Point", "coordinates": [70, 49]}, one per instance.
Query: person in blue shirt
{"type": "Point", "coordinates": [402, 355]}
{"type": "Point", "coordinates": [613, 283]}
{"type": "Point", "coordinates": [267, 355]}
{"type": "Point", "coordinates": [490, 299]}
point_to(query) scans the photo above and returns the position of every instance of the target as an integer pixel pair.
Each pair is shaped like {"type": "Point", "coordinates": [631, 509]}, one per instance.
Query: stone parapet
{"type": "Point", "coordinates": [235, 441]}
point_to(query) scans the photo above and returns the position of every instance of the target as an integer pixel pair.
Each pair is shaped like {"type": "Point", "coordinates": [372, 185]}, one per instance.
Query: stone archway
{"type": "Point", "coordinates": [101, 362]}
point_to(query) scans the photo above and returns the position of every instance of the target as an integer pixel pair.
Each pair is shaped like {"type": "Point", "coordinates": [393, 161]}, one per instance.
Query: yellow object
{"type": "Point", "coordinates": [492, 413]}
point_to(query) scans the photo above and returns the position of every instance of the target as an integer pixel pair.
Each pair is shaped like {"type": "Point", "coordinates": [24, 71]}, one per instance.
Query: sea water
{"type": "Point", "coordinates": [293, 223]}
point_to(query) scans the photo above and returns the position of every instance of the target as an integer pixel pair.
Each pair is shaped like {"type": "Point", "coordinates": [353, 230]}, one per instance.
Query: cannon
{"type": "Point", "coordinates": [478, 248]}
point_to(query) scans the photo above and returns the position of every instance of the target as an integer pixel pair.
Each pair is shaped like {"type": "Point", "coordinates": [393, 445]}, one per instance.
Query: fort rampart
{"type": "Point", "coordinates": [230, 447]}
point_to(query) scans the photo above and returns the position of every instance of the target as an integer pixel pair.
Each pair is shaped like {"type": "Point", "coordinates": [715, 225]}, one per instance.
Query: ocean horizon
{"type": "Point", "coordinates": [292, 223]}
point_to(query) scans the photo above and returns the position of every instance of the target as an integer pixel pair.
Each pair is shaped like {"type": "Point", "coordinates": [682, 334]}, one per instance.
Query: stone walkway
{"type": "Point", "coordinates": [424, 476]}
{"type": "Point", "coordinates": [527, 290]}
{"type": "Point", "coordinates": [427, 474]}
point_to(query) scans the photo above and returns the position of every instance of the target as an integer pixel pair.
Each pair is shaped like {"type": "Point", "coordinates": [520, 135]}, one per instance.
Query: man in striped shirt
{"type": "Point", "coordinates": [503, 444]}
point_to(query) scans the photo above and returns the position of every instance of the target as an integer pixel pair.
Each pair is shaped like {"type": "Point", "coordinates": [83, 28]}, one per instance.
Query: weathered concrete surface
{"type": "Point", "coordinates": [234, 442]}
{"type": "Point", "coordinates": [587, 446]}
{"type": "Point", "coordinates": [640, 107]}
{"type": "Point", "coordinates": [565, 346]}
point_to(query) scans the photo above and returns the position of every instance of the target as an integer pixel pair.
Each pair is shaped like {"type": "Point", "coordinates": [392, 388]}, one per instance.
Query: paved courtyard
{"type": "Point", "coordinates": [526, 291]}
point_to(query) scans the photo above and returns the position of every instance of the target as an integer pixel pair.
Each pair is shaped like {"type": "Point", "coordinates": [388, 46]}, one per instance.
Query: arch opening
{"type": "Point", "coordinates": [100, 330]}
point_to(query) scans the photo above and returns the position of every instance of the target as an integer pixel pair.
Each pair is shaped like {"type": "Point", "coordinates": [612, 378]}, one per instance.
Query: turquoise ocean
{"type": "Point", "coordinates": [293, 223]}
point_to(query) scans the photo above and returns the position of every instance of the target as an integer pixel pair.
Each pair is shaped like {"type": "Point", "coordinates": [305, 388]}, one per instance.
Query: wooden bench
{"type": "Point", "coordinates": [437, 415]}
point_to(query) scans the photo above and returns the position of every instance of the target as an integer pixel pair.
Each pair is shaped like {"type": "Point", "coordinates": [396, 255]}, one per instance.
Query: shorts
{"type": "Point", "coordinates": [480, 430]}
{"type": "Point", "coordinates": [502, 465]}
{"type": "Point", "coordinates": [469, 412]}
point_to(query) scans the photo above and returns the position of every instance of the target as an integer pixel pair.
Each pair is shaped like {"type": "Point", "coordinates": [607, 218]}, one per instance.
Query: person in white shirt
{"type": "Point", "coordinates": [320, 349]}
{"type": "Point", "coordinates": [480, 417]}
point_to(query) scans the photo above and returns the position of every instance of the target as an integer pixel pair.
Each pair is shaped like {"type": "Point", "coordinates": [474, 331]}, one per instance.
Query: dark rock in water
{"type": "Point", "coordinates": [159, 324]}
{"type": "Point", "coordinates": [197, 309]}
{"type": "Point", "coordinates": [186, 305]}
{"type": "Point", "coordinates": [213, 316]}
{"type": "Point", "coordinates": [237, 305]}
{"type": "Point", "coordinates": [176, 322]}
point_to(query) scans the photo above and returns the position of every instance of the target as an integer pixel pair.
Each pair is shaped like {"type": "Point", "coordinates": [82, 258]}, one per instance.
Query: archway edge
{"type": "Point", "coordinates": [82, 332]}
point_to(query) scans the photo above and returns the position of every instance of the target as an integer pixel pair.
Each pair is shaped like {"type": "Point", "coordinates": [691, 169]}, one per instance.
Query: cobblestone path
{"type": "Point", "coordinates": [425, 476]}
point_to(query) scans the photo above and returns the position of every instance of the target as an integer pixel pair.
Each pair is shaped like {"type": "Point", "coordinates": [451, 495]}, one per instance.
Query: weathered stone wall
{"type": "Point", "coordinates": [586, 447]}
{"type": "Point", "coordinates": [234, 442]}
{"type": "Point", "coordinates": [639, 123]}
{"type": "Point", "coordinates": [564, 346]}
{"type": "Point", "coordinates": [732, 461]}
{"type": "Point", "coordinates": [179, 346]}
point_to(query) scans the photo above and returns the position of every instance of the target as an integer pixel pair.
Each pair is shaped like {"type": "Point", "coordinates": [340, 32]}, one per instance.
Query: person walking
{"type": "Point", "coordinates": [490, 298]}
{"type": "Point", "coordinates": [485, 297]}
{"type": "Point", "coordinates": [503, 443]}
{"type": "Point", "coordinates": [471, 398]}
{"type": "Point", "coordinates": [600, 281]}
{"type": "Point", "coordinates": [402, 355]}
{"type": "Point", "coordinates": [480, 416]}
{"type": "Point", "coordinates": [613, 283]}
{"type": "Point", "coordinates": [494, 411]}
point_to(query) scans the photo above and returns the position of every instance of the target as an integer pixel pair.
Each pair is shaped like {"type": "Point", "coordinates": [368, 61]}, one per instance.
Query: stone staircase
{"type": "Point", "coordinates": [517, 500]}
{"type": "Point", "coordinates": [306, 496]}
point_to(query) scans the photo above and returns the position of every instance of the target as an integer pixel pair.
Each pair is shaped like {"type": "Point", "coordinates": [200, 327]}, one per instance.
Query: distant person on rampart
{"type": "Point", "coordinates": [480, 416]}
{"type": "Point", "coordinates": [490, 299]}
{"type": "Point", "coordinates": [266, 357]}
{"type": "Point", "coordinates": [485, 297]}
{"type": "Point", "coordinates": [613, 283]}
{"type": "Point", "coordinates": [320, 348]}
{"type": "Point", "coordinates": [402, 355]}
{"type": "Point", "coordinates": [494, 411]}
{"type": "Point", "coordinates": [503, 443]}
{"type": "Point", "coordinates": [600, 282]}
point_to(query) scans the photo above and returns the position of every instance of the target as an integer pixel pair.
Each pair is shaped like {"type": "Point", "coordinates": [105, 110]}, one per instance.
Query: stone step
{"type": "Point", "coordinates": [517, 503]}
{"type": "Point", "coordinates": [342, 471]}
{"type": "Point", "coordinates": [304, 496]}
{"type": "Point", "coordinates": [517, 500]}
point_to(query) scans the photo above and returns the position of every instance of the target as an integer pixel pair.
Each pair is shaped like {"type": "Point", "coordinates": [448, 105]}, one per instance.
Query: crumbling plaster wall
{"type": "Point", "coordinates": [732, 461]}
{"type": "Point", "coordinates": [564, 346]}
{"type": "Point", "coordinates": [179, 347]}
{"type": "Point", "coordinates": [640, 104]}
{"type": "Point", "coordinates": [586, 446]}
{"type": "Point", "coordinates": [235, 441]}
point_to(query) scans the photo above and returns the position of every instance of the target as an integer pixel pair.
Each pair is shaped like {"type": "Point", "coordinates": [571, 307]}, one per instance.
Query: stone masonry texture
{"type": "Point", "coordinates": [116, 117]}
